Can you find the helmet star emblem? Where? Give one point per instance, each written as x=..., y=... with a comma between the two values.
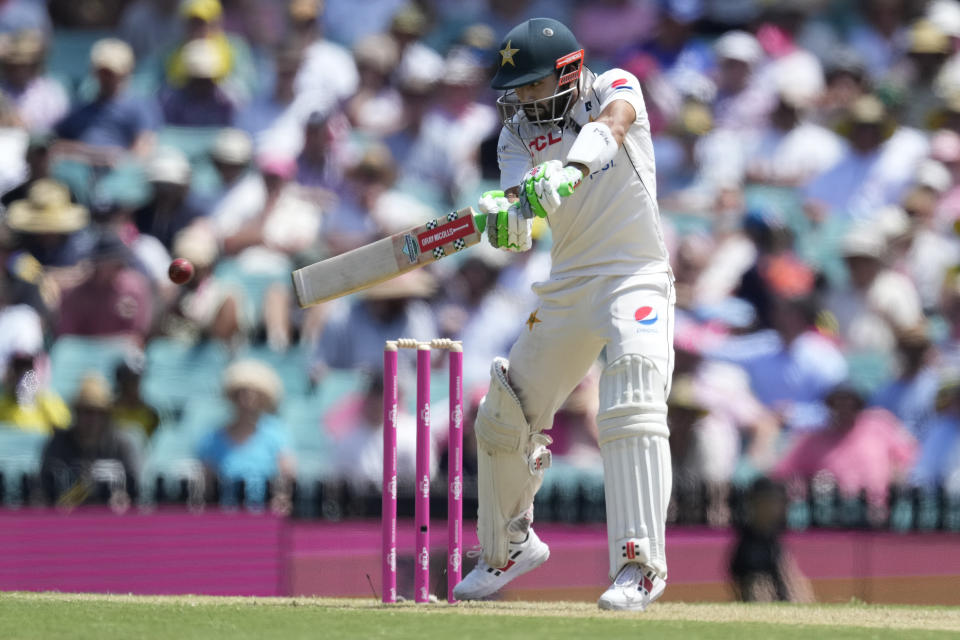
x=506, y=55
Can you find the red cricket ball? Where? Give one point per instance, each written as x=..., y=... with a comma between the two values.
x=180, y=271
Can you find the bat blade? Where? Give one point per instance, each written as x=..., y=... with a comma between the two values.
x=386, y=258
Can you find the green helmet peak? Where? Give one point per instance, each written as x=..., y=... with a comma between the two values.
x=533, y=50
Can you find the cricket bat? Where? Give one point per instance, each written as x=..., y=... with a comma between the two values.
x=387, y=258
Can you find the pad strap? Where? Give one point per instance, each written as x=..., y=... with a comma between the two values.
x=594, y=147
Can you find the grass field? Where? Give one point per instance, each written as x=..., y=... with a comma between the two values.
x=52, y=616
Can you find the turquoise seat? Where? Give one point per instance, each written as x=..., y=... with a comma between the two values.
x=195, y=143
x=254, y=285
x=69, y=57
x=73, y=356
x=20, y=454
x=177, y=371
x=290, y=365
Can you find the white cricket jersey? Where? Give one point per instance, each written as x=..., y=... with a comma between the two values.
x=611, y=223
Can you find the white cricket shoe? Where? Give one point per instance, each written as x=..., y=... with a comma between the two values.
x=485, y=580
x=634, y=589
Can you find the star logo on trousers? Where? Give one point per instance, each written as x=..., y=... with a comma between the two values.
x=532, y=320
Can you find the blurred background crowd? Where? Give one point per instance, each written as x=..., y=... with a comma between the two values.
x=808, y=156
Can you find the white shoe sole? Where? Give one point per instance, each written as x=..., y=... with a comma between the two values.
x=530, y=563
x=609, y=605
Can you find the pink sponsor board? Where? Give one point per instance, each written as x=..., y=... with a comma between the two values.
x=163, y=552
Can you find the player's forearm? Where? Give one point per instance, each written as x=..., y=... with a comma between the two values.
x=599, y=141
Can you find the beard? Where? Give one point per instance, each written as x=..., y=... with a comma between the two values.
x=540, y=110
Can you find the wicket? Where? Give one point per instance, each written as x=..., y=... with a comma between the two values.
x=422, y=499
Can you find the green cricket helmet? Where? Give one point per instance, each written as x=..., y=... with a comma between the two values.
x=531, y=51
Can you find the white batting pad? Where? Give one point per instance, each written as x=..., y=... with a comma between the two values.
x=507, y=484
x=510, y=466
x=637, y=477
x=501, y=425
x=637, y=469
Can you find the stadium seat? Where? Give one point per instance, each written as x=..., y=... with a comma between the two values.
x=69, y=57
x=195, y=143
x=20, y=454
x=290, y=365
x=73, y=356
x=177, y=371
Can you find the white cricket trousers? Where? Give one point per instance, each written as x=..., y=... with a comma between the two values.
x=574, y=320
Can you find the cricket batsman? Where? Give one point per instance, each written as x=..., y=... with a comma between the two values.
x=575, y=149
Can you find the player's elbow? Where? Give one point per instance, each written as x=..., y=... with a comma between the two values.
x=618, y=129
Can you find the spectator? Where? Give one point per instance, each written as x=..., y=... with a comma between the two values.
x=252, y=447
x=878, y=301
x=792, y=366
x=356, y=330
x=761, y=569
x=927, y=51
x=417, y=86
x=200, y=101
x=359, y=450
x=878, y=32
x=443, y=160
x=741, y=103
x=172, y=206
x=791, y=149
x=475, y=308
x=875, y=170
x=206, y=307
x=89, y=462
x=131, y=413
x=276, y=118
x=115, y=300
x=327, y=67
x=226, y=60
x=150, y=26
x=846, y=82
x=365, y=201
x=25, y=403
x=53, y=231
x=862, y=450
x=286, y=223
x=22, y=15
x=114, y=121
x=21, y=325
x=674, y=46
x=319, y=165
x=241, y=186
x=376, y=107
x=938, y=464
x=603, y=27
x=37, y=161
x=40, y=101
x=912, y=395
x=927, y=253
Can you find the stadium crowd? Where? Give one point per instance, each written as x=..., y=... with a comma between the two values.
x=808, y=163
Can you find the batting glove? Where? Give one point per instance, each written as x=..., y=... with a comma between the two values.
x=506, y=227
x=547, y=184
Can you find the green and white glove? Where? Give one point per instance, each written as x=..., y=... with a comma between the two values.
x=506, y=227
x=545, y=186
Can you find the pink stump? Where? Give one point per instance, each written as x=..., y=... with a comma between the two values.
x=455, y=473
x=422, y=503
x=388, y=507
